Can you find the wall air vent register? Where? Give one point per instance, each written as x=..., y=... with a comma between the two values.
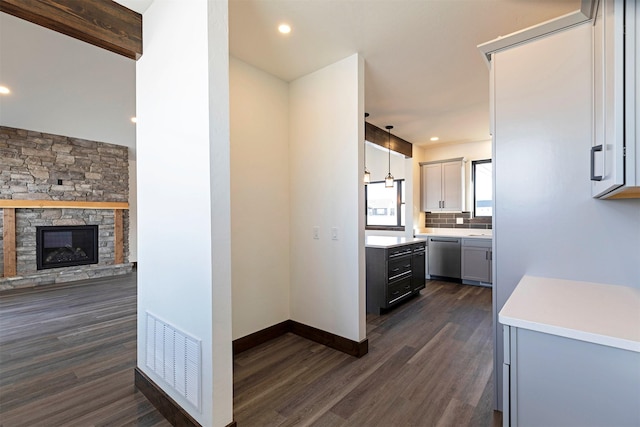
x=175, y=357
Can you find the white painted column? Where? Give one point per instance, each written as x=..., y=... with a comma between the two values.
x=325, y=160
x=183, y=192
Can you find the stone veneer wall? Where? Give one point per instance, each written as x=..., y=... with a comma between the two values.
x=41, y=166
x=448, y=220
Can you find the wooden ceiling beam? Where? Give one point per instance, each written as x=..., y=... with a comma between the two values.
x=103, y=23
x=380, y=137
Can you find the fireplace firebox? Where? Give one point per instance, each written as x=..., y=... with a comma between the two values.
x=66, y=246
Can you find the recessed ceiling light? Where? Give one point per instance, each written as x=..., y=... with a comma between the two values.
x=134, y=120
x=284, y=28
x=4, y=90
x=434, y=138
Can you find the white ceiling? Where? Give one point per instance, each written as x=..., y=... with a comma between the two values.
x=423, y=72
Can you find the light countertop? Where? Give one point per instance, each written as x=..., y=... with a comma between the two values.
x=474, y=233
x=389, y=241
x=592, y=312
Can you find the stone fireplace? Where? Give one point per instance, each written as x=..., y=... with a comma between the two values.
x=50, y=182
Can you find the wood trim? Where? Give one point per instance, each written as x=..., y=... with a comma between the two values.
x=168, y=407
x=118, y=236
x=60, y=204
x=345, y=345
x=9, y=242
x=380, y=137
x=255, y=339
x=626, y=193
x=104, y=23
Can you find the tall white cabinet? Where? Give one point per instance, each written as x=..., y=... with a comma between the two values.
x=546, y=221
x=615, y=162
x=443, y=185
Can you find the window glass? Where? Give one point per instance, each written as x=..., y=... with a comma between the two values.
x=385, y=206
x=482, y=174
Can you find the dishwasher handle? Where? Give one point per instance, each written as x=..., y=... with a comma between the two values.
x=445, y=241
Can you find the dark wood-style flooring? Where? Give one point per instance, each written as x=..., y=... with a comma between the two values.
x=429, y=364
x=67, y=355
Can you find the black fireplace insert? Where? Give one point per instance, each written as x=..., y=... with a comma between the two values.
x=66, y=246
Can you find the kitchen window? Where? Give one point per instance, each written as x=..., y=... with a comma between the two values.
x=482, y=177
x=385, y=207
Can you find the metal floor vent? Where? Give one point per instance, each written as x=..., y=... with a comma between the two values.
x=175, y=357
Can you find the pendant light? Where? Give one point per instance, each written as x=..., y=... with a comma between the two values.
x=388, y=181
x=367, y=174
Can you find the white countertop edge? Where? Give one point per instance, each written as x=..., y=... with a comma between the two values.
x=386, y=242
x=593, y=312
x=605, y=340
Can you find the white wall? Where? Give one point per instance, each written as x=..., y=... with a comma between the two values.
x=259, y=198
x=479, y=150
x=183, y=193
x=378, y=163
x=546, y=222
x=56, y=81
x=326, y=155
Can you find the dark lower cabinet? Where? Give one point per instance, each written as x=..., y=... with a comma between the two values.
x=394, y=274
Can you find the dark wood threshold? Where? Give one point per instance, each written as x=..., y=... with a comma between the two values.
x=352, y=348
x=168, y=407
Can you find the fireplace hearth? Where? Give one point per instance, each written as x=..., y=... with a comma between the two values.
x=66, y=246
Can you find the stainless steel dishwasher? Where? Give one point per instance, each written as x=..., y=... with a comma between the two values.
x=444, y=257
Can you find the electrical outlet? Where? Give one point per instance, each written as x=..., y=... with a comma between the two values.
x=334, y=233
x=316, y=232
x=459, y=220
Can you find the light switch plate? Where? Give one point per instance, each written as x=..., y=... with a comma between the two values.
x=316, y=232
x=334, y=233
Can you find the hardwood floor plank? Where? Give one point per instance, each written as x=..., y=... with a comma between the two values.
x=67, y=354
x=429, y=364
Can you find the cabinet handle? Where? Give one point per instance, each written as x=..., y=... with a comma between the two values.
x=396, y=299
x=593, y=155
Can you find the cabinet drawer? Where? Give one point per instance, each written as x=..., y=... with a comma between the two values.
x=399, y=268
x=398, y=290
x=419, y=247
x=399, y=251
x=477, y=243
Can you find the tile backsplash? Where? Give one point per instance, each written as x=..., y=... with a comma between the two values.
x=448, y=220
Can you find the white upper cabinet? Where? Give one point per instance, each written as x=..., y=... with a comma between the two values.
x=614, y=160
x=443, y=185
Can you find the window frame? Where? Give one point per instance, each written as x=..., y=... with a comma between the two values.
x=400, y=183
x=473, y=182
